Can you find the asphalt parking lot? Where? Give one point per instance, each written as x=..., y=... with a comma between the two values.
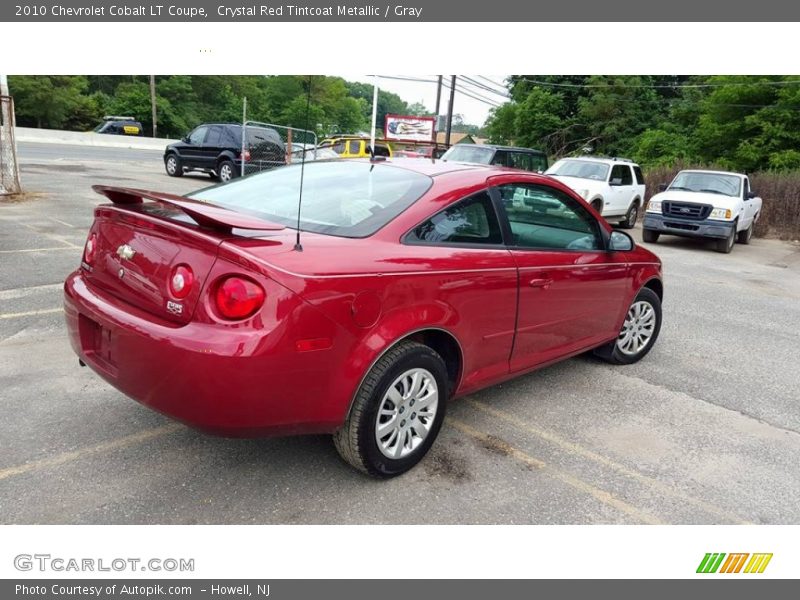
x=706, y=429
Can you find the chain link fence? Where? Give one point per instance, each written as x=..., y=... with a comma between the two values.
x=267, y=145
x=9, y=169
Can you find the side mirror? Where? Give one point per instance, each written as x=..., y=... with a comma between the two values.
x=616, y=181
x=620, y=242
x=662, y=187
x=750, y=195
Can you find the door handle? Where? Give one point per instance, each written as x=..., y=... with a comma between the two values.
x=541, y=282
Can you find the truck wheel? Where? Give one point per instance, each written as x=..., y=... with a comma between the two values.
x=226, y=171
x=726, y=245
x=173, y=166
x=650, y=236
x=397, y=413
x=631, y=216
x=744, y=237
x=639, y=331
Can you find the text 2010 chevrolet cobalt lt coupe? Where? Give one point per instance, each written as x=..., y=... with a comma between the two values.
x=414, y=281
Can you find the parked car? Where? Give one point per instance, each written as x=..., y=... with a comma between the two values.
x=311, y=153
x=613, y=186
x=526, y=159
x=115, y=125
x=355, y=147
x=705, y=204
x=216, y=149
x=413, y=282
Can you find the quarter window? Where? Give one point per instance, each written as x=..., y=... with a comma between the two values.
x=639, y=177
x=470, y=221
x=544, y=218
x=622, y=173
x=355, y=147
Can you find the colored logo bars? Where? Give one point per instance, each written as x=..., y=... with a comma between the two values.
x=713, y=563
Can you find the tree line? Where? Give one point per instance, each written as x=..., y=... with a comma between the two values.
x=79, y=103
x=748, y=123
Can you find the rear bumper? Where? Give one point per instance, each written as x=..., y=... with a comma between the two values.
x=707, y=228
x=233, y=381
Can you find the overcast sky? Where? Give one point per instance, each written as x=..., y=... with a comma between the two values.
x=475, y=110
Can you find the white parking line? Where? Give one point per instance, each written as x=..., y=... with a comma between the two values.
x=23, y=292
x=30, y=313
x=67, y=457
x=24, y=250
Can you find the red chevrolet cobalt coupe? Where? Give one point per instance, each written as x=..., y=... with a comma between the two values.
x=413, y=282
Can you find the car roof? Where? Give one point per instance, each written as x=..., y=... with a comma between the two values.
x=498, y=147
x=604, y=160
x=712, y=171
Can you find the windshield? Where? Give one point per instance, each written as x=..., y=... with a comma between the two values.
x=582, y=169
x=714, y=183
x=469, y=154
x=343, y=198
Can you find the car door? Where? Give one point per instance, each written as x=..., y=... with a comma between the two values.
x=571, y=290
x=192, y=152
x=748, y=206
x=213, y=146
x=621, y=184
x=462, y=247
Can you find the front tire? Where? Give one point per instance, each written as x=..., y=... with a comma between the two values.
x=650, y=236
x=631, y=216
x=173, y=166
x=639, y=331
x=744, y=237
x=397, y=412
x=726, y=245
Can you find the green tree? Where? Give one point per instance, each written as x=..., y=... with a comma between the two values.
x=48, y=100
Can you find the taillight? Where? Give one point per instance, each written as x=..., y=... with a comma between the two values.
x=181, y=281
x=238, y=298
x=247, y=155
x=91, y=249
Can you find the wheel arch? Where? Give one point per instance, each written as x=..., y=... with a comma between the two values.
x=442, y=341
x=656, y=285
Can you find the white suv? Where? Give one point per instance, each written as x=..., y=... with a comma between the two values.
x=613, y=186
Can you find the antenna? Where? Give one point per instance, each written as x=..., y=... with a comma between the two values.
x=297, y=245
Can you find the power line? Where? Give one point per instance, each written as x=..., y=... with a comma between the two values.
x=445, y=84
x=500, y=85
x=484, y=87
x=670, y=86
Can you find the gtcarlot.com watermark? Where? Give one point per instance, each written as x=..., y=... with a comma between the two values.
x=56, y=564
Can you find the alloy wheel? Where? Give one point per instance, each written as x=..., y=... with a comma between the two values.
x=638, y=329
x=406, y=413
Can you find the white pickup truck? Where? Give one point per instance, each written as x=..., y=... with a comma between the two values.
x=707, y=204
x=613, y=186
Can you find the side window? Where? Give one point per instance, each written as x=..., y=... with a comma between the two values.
x=198, y=135
x=355, y=147
x=639, y=177
x=214, y=136
x=544, y=218
x=232, y=137
x=381, y=150
x=621, y=175
x=339, y=148
x=520, y=160
x=470, y=221
x=745, y=187
x=500, y=158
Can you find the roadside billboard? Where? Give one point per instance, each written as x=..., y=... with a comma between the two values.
x=408, y=128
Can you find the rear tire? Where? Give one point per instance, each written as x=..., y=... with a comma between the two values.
x=629, y=222
x=650, y=236
x=639, y=331
x=173, y=166
x=726, y=245
x=227, y=171
x=389, y=407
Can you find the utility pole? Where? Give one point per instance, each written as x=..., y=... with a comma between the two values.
x=374, y=115
x=436, y=112
x=450, y=111
x=9, y=168
x=153, y=104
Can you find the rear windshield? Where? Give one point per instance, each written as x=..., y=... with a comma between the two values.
x=342, y=198
x=469, y=154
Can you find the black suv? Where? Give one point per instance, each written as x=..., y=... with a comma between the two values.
x=216, y=149
x=120, y=126
x=526, y=159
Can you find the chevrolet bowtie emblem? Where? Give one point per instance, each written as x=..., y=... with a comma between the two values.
x=125, y=252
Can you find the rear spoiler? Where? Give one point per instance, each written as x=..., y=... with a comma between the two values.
x=206, y=215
